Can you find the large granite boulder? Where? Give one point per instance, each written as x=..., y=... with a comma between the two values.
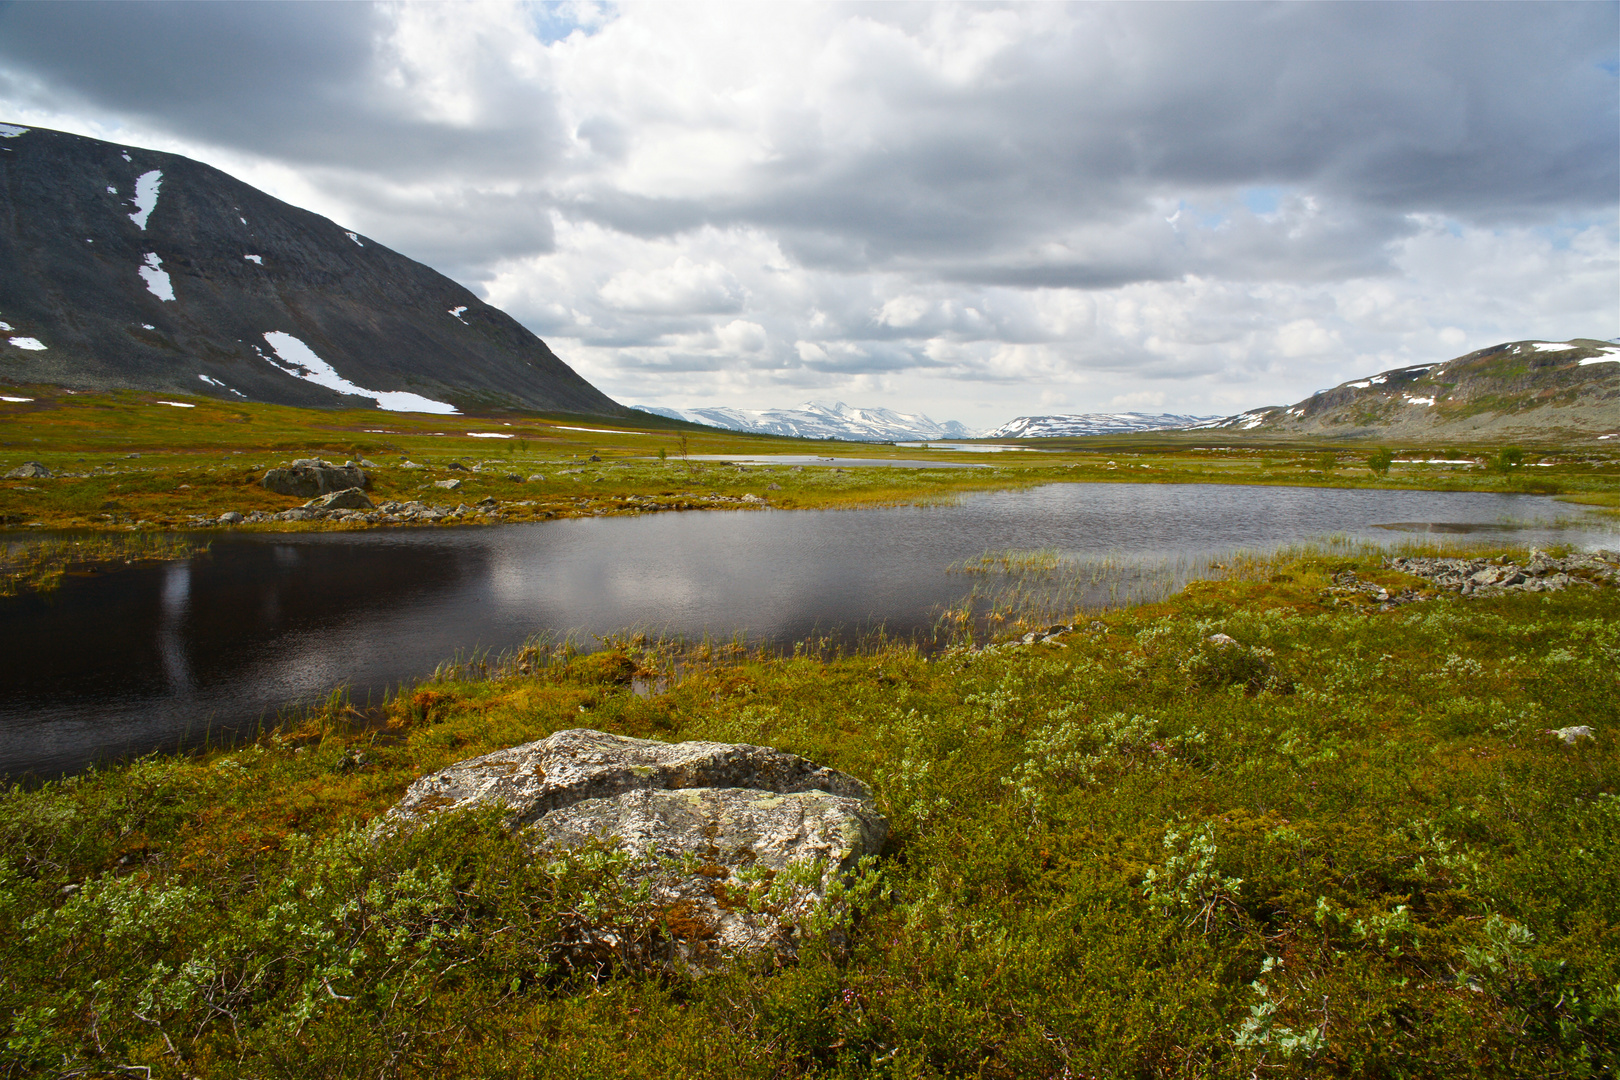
x=736, y=845
x=310, y=477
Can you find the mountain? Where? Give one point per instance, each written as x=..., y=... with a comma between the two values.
x=1518, y=389
x=129, y=268
x=1044, y=427
x=820, y=420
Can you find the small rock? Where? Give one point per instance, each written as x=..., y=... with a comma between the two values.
x=1222, y=640
x=458, y=467
x=535, y=478
x=751, y=498
x=411, y=465
x=347, y=499
x=1571, y=735
x=514, y=478
x=368, y=464
x=230, y=517
x=594, y=457
x=773, y=487
x=448, y=485
x=29, y=470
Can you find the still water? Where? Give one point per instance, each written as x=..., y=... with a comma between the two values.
x=141, y=659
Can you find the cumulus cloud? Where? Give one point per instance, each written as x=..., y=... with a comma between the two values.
x=967, y=210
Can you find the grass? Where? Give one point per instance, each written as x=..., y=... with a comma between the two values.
x=126, y=461
x=39, y=564
x=1347, y=848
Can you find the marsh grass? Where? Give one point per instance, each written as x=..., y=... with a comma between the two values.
x=1345, y=847
x=1017, y=591
x=40, y=563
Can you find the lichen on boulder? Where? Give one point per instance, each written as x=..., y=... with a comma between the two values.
x=736, y=848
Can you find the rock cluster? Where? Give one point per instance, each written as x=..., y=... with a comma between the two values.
x=1347, y=584
x=737, y=845
x=309, y=477
x=29, y=470
x=1491, y=577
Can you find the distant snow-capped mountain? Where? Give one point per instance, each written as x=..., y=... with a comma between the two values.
x=1042, y=427
x=821, y=420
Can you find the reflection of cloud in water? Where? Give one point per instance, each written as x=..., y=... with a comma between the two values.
x=176, y=602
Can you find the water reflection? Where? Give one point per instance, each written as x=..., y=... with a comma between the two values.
x=171, y=642
x=146, y=657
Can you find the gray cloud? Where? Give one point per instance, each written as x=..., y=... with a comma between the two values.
x=1110, y=198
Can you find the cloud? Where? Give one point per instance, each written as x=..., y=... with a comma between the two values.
x=682, y=288
x=968, y=209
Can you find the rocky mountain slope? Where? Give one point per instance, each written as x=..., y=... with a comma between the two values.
x=823, y=420
x=1521, y=389
x=129, y=268
x=1043, y=427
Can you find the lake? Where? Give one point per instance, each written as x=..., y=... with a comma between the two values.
x=143, y=658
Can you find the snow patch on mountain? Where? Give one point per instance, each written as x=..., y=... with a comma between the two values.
x=1070, y=425
x=157, y=278
x=146, y=193
x=301, y=362
x=822, y=420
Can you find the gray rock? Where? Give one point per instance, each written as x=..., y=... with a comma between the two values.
x=310, y=477
x=736, y=844
x=230, y=517
x=1541, y=573
x=1571, y=735
x=448, y=485
x=536, y=478
x=29, y=470
x=347, y=499
x=411, y=465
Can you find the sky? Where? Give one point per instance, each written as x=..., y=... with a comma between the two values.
x=972, y=211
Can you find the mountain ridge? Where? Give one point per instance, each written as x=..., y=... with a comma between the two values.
x=128, y=268
x=1518, y=388
x=1072, y=425
x=821, y=420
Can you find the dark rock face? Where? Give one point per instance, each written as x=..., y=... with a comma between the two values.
x=129, y=268
x=309, y=477
x=736, y=845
